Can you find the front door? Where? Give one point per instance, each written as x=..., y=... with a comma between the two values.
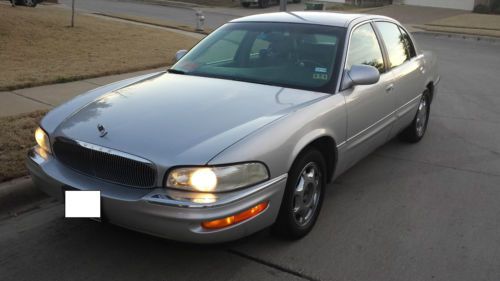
x=370, y=108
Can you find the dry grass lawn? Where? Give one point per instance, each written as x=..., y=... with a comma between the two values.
x=16, y=138
x=37, y=46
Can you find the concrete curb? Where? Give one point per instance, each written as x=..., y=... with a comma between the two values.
x=18, y=195
x=150, y=23
x=459, y=36
x=176, y=4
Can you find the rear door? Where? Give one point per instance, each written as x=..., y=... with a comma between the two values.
x=370, y=108
x=407, y=69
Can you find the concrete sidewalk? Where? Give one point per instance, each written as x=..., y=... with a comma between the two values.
x=46, y=97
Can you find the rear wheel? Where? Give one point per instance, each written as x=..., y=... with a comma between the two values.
x=303, y=196
x=30, y=3
x=416, y=130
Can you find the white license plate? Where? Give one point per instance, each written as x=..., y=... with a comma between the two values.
x=82, y=204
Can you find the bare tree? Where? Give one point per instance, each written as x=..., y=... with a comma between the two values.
x=72, y=13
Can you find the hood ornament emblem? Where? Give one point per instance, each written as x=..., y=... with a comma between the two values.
x=102, y=130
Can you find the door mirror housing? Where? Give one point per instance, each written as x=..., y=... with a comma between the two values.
x=360, y=74
x=180, y=54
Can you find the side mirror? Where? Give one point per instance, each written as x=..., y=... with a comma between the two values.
x=360, y=74
x=180, y=54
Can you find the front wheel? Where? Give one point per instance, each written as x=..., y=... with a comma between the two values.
x=245, y=4
x=416, y=130
x=30, y=3
x=303, y=196
x=263, y=3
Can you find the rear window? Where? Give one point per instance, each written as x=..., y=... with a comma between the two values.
x=395, y=43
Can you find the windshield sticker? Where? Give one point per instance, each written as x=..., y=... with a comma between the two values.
x=320, y=76
x=320, y=69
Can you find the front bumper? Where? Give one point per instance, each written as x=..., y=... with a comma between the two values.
x=170, y=214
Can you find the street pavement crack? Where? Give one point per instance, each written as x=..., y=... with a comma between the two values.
x=273, y=265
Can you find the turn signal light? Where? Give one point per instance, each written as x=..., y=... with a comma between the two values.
x=228, y=221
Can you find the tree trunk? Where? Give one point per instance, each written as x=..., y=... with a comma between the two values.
x=72, y=13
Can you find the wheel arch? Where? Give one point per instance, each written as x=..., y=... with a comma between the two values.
x=325, y=144
x=430, y=87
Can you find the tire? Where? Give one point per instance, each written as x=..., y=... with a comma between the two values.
x=30, y=3
x=416, y=130
x=303, y=196
x=296, y=1
x=263, y=3
x=245, y=4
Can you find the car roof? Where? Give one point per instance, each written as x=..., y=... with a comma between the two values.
x=310, y=17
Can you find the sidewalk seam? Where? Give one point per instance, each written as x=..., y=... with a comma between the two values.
x=32, y=99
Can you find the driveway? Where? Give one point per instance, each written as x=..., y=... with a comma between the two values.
x=428, y=211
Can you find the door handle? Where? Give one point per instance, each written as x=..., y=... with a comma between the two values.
x=389, y=88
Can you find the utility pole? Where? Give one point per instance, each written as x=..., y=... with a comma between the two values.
x=72, y=13
x=283, y=5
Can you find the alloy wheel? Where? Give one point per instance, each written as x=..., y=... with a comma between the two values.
x=306, y=194
x=421, y=121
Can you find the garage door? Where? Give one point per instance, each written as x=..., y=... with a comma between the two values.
x=452, y=4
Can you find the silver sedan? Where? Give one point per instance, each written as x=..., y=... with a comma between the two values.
x=245, y=131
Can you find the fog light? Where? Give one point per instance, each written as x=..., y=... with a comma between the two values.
x=228, y=221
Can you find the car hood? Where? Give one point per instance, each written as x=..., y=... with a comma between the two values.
x=175, y=119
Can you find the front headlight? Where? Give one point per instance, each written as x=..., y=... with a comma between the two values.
x=217, y=179
x=42, y=139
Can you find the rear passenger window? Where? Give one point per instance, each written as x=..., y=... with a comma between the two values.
x=364, y=48
x=410, y=48
x=396, y=43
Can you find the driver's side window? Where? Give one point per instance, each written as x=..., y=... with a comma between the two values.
x=365, y=49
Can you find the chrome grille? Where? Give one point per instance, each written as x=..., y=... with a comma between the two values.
x=105, y=164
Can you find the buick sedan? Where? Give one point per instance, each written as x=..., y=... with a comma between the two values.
x=245, y=131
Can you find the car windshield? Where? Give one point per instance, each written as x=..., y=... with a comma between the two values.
x=302, y=56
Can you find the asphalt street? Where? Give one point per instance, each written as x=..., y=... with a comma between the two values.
x=217, y=16
x=427, y=211
x=186, y=16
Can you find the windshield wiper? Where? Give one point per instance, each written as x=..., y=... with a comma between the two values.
x=175, y=71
